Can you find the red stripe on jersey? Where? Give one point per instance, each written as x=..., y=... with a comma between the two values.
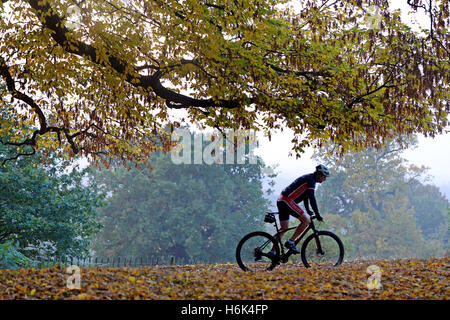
x=298, y=192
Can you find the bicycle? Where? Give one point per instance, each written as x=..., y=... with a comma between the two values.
x=252, y=251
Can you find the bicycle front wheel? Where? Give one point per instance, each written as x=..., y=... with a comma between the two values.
x=322, y=249
x=252, y=252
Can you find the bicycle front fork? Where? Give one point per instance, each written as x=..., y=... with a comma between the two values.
x=319, y=246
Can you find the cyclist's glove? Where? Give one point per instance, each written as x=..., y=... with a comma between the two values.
x=319, y=218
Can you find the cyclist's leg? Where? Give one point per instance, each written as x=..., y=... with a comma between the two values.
x=284, y=224
x=304, y=218
x=283, y=214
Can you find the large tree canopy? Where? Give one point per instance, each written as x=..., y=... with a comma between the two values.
x=100, y=77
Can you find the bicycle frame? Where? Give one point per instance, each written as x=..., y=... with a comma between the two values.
x=284, y=256
x=314, y=250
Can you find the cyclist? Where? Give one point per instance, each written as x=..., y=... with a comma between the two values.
x=302, y=189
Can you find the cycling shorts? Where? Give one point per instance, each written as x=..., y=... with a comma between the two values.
x=287, y=208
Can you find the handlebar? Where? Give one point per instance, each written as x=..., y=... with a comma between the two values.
x=314, y=217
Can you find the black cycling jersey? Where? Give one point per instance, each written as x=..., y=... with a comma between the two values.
x=302, y=189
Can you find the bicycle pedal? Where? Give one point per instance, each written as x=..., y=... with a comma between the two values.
x=290, y=252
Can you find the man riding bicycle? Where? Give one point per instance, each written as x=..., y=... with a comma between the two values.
x=302, y=189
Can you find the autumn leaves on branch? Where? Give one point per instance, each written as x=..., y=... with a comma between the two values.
x=106, y=85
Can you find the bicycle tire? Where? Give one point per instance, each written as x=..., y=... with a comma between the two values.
x=246, y=255
x=328, y=238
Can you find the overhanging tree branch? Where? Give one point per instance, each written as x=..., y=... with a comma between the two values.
x=61, y=35
x=18, y=155
x=44, y=128
x=4, y=71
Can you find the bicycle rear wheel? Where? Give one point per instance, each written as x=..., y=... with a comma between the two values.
x=252, y=252
x=331, y=253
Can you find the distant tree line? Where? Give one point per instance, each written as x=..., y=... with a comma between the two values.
x=382, y=206
x=190, y=211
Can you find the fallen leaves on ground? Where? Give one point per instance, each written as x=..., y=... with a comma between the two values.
x=398, y=279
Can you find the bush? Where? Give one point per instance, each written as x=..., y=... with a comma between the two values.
x=12, y=258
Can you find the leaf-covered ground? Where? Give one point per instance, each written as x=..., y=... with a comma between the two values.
x=399, y=279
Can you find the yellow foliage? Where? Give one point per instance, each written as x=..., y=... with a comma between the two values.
x=105, y=73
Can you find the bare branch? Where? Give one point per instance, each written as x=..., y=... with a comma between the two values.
x=19, y=155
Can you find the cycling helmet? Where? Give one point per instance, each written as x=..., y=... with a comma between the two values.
x=322, y=169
